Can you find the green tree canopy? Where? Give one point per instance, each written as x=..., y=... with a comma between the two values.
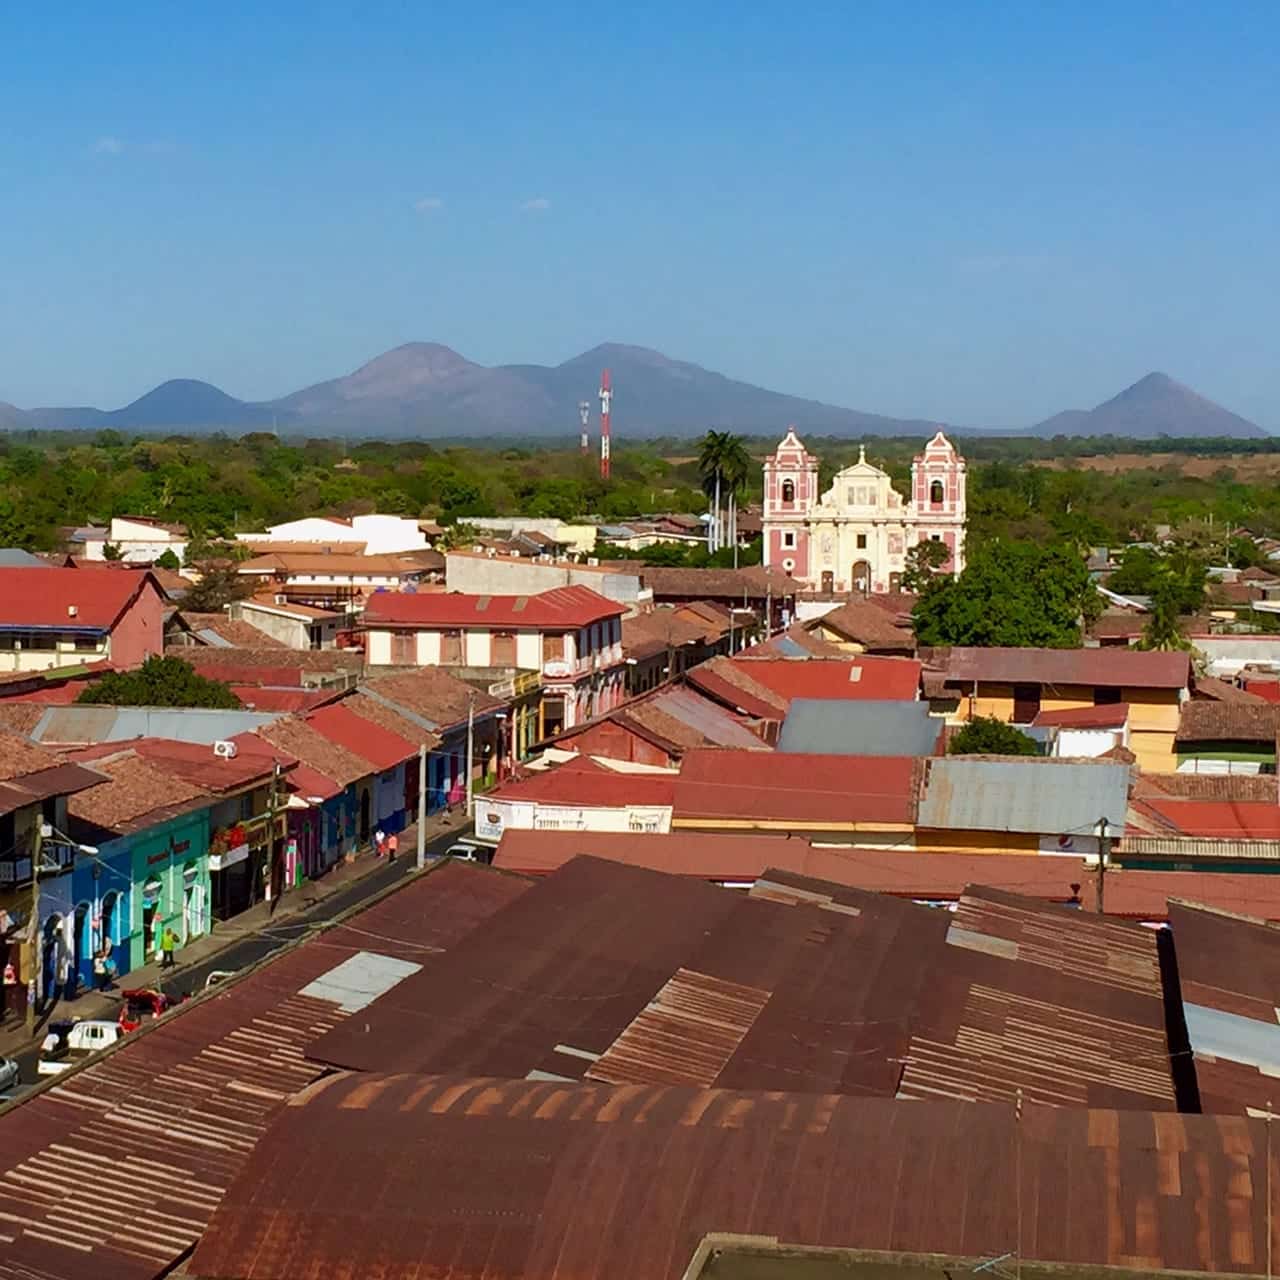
x=987, y=736
x=1010, y=593
x=167, y=559
x=160, y=682
x=923, y=562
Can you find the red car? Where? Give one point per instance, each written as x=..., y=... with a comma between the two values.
x=141, y=1004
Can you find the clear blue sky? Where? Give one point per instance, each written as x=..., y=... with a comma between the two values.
x=981, y=213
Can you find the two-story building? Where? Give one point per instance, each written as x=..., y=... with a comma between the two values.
x=34, y=786
x=69, y=617
x=571, y=634
x=133, y=540
x=1018, y=685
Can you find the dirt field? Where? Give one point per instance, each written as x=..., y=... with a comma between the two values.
x=1247, y=466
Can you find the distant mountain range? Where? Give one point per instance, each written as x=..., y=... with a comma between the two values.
x=429, y=391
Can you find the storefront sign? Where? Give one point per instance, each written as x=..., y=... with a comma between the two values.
x=179, y=847
x=158, y=857
x=221, y=861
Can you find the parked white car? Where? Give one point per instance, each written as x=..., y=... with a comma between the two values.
x=70, y=1042
x=467, y=852
x=10, y=1075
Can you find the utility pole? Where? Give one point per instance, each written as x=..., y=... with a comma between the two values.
x=1269, y=1202
x=37, y=941
x=422, y=806
x=1104, y=856
x=471, y=735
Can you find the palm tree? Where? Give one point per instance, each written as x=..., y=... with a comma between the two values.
x=723, y=464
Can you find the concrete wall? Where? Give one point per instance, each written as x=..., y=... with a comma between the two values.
x=503, y=576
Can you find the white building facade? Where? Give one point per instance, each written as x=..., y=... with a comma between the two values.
x=856, y=535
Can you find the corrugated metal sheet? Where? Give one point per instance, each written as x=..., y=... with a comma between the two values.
x=1027, y=796
x=117, y=724
x=825, y=727
x=1229, y=973
x=460, y=1179
x=115, y=1172
x=686, y=1035
x=1061, y=1005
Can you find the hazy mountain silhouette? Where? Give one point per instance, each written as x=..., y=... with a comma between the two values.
x=424, y=389
x=1154, y=406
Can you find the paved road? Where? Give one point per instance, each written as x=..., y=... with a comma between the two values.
x=190, y=979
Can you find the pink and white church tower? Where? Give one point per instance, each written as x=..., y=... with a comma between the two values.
x=856, y=535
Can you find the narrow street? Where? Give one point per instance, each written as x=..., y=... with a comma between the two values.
x=186, y=980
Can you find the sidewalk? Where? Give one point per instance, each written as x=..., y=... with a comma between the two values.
x=257, y=920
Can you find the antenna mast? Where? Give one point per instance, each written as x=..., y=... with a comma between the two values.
x=606, y=396
x=584, y=412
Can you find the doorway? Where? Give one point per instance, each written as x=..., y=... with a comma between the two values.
x=80, y=940
x=110, y=902
x=150, y=915
x=365, y=820
x=861, y=576
x=53, y=954
x=828, y=580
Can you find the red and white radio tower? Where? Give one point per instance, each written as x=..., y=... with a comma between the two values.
x=606, y=395
x=584, y=412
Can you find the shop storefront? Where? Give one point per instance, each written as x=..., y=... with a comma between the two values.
x=230, y=872
x=171, y=887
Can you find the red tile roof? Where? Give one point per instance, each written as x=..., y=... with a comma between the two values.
x=1107, y=668
x=371, y=741
x=587, y=785
x=1223, y=819
x=256, y=697
x=45, y=597
x=862, y=622
x=800, y=789
x=1104, y=717
x=565, y=608
x=307, y=782
x=863, y=678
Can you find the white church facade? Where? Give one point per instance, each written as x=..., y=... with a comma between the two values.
x=855, y=536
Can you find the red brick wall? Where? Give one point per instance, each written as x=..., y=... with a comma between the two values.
x=139, y=632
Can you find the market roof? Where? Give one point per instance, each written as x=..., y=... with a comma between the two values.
x=305, y=612
x=68, y=599
x=321, y=564
x=828, y=727
x=1103, y=668
x=1023, y=987
x=1048, y=797
x=1229, y=974
x=17, y=558
x=1206, y=721
x=585, y=977
x=538, y=1178
x=184, y=1102
x=797, y=789
x=564, y=608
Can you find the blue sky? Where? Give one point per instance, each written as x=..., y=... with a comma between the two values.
x=977, y=213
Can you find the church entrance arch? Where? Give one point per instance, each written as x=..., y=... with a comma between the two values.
x=861, y=576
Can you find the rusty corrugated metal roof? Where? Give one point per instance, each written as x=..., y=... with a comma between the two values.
x=116, y=1170
x=460, y=1179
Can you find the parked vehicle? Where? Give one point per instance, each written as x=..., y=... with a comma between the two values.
x=10, y=1075
x=467, y=852
x=141, y=1004
x=70, y=1042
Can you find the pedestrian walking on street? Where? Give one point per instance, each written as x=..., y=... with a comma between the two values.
x=168, y=940
x=101, y=976
x=393, y=846
x=379, y=842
